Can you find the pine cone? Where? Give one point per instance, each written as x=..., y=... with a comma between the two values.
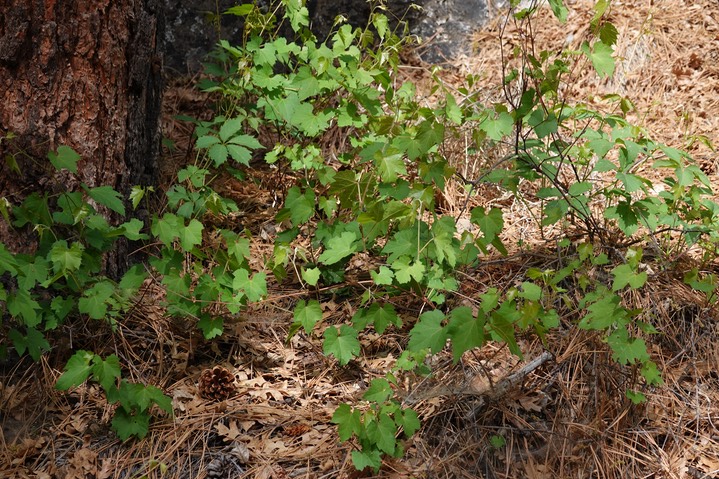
x=217, y=383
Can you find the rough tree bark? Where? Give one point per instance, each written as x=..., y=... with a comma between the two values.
x=86, y=74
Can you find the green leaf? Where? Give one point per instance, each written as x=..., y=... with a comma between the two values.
x=32, y=273
x=600, y=8
x=608, y=34
x=299, y=207
x=193, y=173
x=190, y=235
x=210, y=327
x=465, y=331
x=502, y=322
x=206, y=141
x=343, y=345
x=34, y=342
x=254, y=288
x=383, y=277
x=635, y=397
x=404, y=272
x=497, y=127
x=62, y=306
x=531, y=291
x=390, y=166
x=428, y=333
x=429, y=135
x=308, y=314
x=554, y=211
x=106, y=371
x=651, y=373
x=72, y=208
x=445, y=244
x=379, y=391
x=218, y=154
x=364, y=459
x=22, y=305
x=311, y=275
x=348, y=421
x=237, y=247
x=77, y=370
x=603, y=313
x=240, y=10
x=128, y=424
x=107, y=196
x=601, y=56
x=166, y=228
x=497, y=441
x=247, y=141
x=64, y=258
x=382, y=433
x=230, y=127
x=453, y=112
x=382, y=316
x=145, y=396
x=339, y=247
x=490, y=300
x=403, y=243
x=7, y=261
x=559, y=10
x=627, y=350
x=631, y=182
x=490, y=223
x=65, y=157
x=301, y=115
x=602, y=146
x=543, y=124
x=577, y=189
x=240, y=154
x=625, y=215
x=132, y=230
x=137, y=194
x=409, y=422
x=163, y=401
x=94, y=300
x=624, y=275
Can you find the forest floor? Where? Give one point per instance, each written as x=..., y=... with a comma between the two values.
x=566, y=418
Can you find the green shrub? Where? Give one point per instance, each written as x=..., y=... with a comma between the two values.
x=376, y=196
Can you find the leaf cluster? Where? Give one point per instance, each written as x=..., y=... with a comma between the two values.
x=378, y=196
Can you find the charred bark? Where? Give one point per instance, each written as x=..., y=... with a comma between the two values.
x=86, y=74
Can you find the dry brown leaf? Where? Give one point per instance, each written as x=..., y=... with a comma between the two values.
x=266, y=472
x=532, y=403
x=107, y=469
x=228, y=433
x=711, y=464
x=247, y=424
x=280, y=473
x=537, y=471
x=78, y=423
x=274, y=447
x=82, y=464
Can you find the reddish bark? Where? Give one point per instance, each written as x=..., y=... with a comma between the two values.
x=82, y=73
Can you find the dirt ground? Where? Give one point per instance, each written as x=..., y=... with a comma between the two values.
x=565, y=418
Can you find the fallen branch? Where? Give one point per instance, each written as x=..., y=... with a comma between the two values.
x=479, y=385
x=504, y=386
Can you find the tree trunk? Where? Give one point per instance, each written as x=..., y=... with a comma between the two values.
x=86, y=74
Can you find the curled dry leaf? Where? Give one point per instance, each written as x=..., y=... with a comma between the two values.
x=241, y=452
